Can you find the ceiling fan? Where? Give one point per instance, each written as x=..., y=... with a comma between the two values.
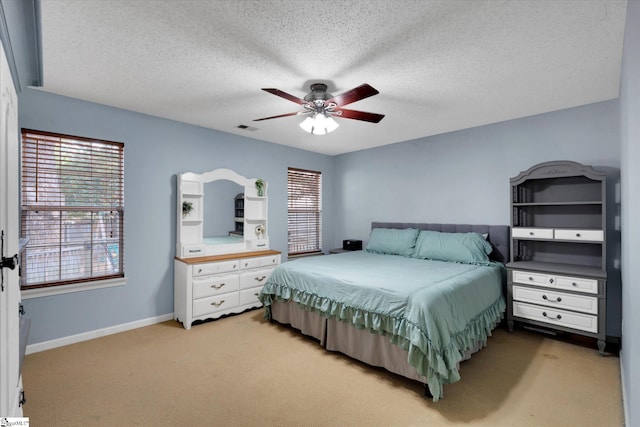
x=320, y=106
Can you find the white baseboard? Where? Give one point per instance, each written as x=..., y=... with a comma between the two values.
x=86, y=336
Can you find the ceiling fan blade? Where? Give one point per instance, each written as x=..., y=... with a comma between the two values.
x=358, y=115
x=279, y=115
x=356, y=94
x=285, y=95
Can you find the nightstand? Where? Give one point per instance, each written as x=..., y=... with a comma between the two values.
x=338, y=251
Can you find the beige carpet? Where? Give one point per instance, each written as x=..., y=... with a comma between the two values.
x=243, y=371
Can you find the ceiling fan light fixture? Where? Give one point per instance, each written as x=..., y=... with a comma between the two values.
x=331, y=124
x=319, y=124
x=319, y=107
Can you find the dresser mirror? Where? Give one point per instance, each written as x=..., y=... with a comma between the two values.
x=218, y=215
x=220, y=220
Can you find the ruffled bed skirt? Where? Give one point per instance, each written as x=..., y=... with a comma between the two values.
x=384, y=342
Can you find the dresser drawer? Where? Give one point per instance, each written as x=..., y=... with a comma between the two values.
x=259, y=244
x=581, y=303
x=532, y=233
x=583, y=322
x=250, y=296
x=215, y=267
x=580, y=235
x=254, y=278
x=212, y=304
x=206, y=286
x=262, y=261
x=580, y=284
x=531, y=278
x=577, y=284
x=193, y=250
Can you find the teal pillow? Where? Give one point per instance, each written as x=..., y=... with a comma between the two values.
x=466, y=248
x=392, y=241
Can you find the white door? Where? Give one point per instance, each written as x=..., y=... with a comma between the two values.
x=10, y=381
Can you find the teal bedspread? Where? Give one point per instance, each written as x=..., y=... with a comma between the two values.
x=435, y=310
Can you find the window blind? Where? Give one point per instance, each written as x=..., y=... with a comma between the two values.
x=304, y=211
x=72, y=209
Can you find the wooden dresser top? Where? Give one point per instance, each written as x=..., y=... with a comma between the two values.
x=224, y=257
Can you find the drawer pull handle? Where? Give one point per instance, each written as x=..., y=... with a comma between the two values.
x=530, y=278
x=218, y=286
x=194, y=251
x=199, y=270
x=256, y=294
x=260, y=279
x=574, y=284
x=577, y=234
x=217, y=303
x=531, y=233
x=544, y=313
x=550, y=280
x=558, y=299
x=246, y=264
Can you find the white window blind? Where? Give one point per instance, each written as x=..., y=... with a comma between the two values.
x=304, y=211
x=72, y=209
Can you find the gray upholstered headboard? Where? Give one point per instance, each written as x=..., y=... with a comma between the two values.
x=498, y=235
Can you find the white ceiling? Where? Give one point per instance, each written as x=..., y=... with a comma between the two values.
x=440, y=66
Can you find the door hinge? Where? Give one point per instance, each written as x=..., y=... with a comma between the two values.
x=10, y=262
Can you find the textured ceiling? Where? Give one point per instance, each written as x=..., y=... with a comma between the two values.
x=440, y=66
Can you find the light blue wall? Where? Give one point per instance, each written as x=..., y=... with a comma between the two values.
x=155, y=151
x=463, y=177
x=630, y=124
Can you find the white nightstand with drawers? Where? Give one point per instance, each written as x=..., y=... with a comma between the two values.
x=212, y=286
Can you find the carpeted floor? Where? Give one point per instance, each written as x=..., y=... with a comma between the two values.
x=243, y=371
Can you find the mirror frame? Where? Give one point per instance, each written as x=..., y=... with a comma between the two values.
x=198, y=247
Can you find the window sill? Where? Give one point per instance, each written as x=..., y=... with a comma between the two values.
x=77, y=287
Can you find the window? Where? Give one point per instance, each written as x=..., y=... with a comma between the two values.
x=304, y=211
x=72, y=209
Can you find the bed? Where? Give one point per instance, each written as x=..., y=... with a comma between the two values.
x=420, y=299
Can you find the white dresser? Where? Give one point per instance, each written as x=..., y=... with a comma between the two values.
x=212, y=286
